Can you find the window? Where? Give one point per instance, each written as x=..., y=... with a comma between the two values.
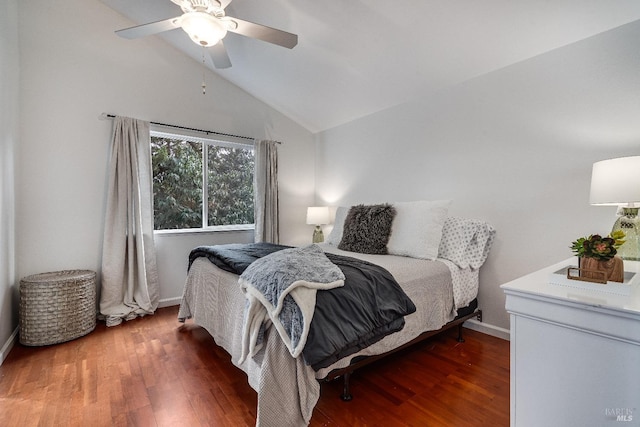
x=188, y=170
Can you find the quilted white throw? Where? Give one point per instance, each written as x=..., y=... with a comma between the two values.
x=281, y=290
x=464, y=248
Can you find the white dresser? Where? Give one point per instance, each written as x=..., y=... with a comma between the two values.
x=575, y=354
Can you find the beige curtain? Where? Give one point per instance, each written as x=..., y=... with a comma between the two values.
x=266, y=191
x=129, y=285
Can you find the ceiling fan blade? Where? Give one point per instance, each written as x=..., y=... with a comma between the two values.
x=148, y=29
x=219, y=55
x=264, y=33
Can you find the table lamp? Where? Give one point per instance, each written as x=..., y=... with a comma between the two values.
x=318, y=215
x=616, y=182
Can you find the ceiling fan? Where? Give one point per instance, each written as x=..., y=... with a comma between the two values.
x=206, y=24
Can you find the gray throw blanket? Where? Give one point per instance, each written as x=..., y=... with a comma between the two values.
x=281, y=290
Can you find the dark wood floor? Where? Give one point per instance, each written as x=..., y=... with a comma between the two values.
x=155, y=372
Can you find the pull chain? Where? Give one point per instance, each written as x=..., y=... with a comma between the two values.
x=204, y=67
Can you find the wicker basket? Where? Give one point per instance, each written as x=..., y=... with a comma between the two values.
x=57, y=307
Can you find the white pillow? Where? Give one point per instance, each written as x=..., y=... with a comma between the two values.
x=417, y=228
x=335, y=236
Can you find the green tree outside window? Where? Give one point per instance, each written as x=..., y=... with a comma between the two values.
x=178, y=182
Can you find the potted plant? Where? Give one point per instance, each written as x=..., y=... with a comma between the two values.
x=597, y=256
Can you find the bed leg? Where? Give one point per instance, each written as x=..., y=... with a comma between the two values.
x=346, y=392
x=460, y=339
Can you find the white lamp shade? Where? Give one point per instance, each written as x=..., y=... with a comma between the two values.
x=616, y=182
x=318, y=215
x=204, y=29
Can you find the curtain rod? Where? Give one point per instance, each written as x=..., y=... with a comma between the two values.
x=105, y=116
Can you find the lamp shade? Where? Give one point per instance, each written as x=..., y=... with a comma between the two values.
x=202, y=28
x=616, y=182
x=318, y=215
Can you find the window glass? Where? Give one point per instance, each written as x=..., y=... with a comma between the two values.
x=230, y=185
x=181, y=181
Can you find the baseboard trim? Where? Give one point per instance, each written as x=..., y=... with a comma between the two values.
x=6, y=348
x=168, y=302
x=489, y=329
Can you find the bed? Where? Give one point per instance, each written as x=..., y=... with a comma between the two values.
x=442, y=290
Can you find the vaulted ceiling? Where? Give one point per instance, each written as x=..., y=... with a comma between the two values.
x=358, y=57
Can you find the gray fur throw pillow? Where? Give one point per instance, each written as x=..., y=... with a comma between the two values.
x=367, y=229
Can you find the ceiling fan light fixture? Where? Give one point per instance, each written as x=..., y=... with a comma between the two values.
x=202, y=28
x=206, y=24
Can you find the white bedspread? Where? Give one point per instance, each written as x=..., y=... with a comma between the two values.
x=213, y=298
x=287, y=388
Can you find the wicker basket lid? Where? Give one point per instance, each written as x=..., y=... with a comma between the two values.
x=60, y=276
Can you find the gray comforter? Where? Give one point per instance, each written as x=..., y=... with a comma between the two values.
x=346, y=319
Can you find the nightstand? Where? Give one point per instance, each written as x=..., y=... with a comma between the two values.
x=575, y=354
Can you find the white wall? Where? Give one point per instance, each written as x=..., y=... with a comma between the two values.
x=172, y=251
x=9, y=104
x=73, y=68
x=514, y=147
